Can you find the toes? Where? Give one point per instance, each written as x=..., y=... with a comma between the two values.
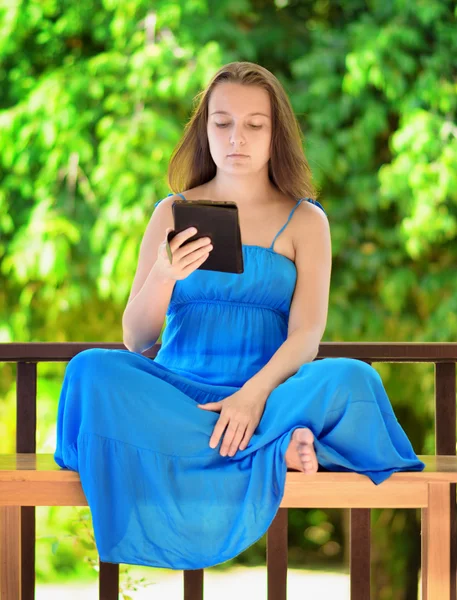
x=308, y=468
x=305, y=436
x=306, y=450
x=304, y=439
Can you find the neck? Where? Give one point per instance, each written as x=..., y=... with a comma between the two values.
x=247, y=191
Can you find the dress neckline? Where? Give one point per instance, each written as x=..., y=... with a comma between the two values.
x=271, y=252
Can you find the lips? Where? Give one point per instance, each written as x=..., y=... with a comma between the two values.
x=237, y=155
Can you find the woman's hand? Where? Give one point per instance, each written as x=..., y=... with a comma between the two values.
x=177, y=259
x=242, y=412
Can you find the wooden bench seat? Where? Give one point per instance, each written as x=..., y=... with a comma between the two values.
x=36, y=480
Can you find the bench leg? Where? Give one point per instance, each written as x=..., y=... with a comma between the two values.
x=438, y=542
x=10, y=552
x=424, y=550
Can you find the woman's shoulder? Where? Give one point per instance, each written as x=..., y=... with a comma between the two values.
x=313, y=205
x=311, y=212
x=190, y=194
x=164, y=201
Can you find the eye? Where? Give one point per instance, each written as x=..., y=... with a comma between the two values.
x=225, y=125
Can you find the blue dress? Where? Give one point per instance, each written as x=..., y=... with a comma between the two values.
x=158, y=494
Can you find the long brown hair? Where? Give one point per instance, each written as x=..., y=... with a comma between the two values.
x=191, y=163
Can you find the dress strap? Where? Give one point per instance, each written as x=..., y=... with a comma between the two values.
x=171, y=194
x=179, y=194
x=290, y=216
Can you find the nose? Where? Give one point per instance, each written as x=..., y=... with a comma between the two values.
x=237, y=136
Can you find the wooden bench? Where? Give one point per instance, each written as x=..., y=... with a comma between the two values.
x=28, y=479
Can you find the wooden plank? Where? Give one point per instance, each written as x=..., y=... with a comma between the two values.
x=424, y=552
x=303, y=493
x=359, y=564
x=108, y=581
x=26, y=423
x=360, y=551
x=62, y=487
x=27, y=546
x=438, y=547
x=26, y=420
x=42, y=467
x=193, y=584
x=277, y=556
x=42, y=493
x=10, y=553
x=445, y=443
x=355, y=494
x=445, y=408
x=433, y=352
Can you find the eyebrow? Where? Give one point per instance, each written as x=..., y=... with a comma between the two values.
x=223, y=112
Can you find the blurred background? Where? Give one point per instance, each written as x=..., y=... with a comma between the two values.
x=94, y=96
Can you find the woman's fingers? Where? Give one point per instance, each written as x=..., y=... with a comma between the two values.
x=218, y=431
x=232, y=439
x=228, y=437
x=247, y=436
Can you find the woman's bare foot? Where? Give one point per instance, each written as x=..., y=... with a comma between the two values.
x=300, y=454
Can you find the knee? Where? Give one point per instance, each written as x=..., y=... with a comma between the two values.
x=93, y=359
x=356, y=372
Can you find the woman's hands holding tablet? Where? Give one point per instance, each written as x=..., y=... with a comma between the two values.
x=175, y=261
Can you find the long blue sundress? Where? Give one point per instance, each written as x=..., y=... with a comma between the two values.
x=158, y=494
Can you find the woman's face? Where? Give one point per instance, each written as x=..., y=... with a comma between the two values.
x=232, y=128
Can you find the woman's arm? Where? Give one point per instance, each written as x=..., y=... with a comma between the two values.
x=299, y=348
x=150, y=296
x=309, y=307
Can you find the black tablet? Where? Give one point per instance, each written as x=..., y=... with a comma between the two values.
x=217, y=220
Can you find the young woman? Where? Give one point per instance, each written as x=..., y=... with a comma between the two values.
x=183, y=458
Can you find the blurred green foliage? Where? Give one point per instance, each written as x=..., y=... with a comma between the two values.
x=94, y=98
